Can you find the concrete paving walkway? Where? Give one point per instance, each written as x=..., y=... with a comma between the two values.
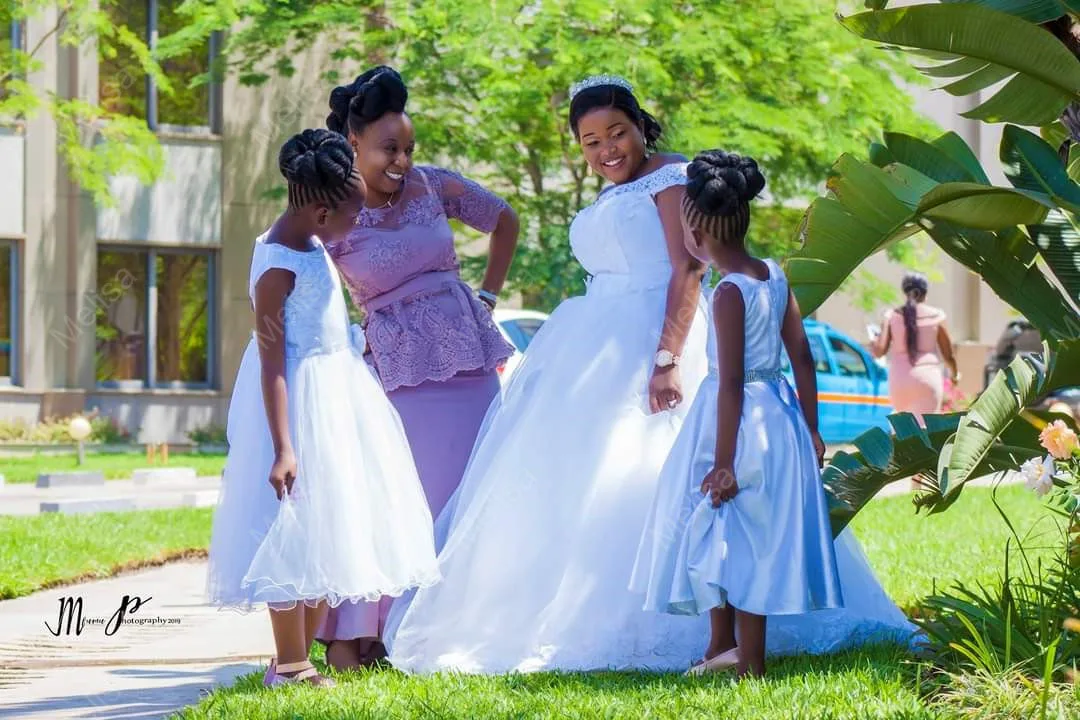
x=26, y=498
x=142, y=671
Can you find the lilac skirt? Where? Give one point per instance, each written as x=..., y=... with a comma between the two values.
x=441, y=420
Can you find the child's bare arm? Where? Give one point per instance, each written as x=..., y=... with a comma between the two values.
x=802, y=366
x=728, y=312
x=270, y=292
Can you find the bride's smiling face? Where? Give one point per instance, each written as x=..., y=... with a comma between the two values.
x=613, y=145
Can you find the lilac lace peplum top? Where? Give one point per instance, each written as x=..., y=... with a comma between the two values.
x=423, y=322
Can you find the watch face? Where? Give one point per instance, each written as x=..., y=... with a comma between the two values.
x=664, y=358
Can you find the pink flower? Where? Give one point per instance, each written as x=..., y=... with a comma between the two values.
x=1059, y=440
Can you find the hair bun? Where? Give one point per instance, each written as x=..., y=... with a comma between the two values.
x=316, y=158
x=719, y=182
x=376, y=92
x=914, y=282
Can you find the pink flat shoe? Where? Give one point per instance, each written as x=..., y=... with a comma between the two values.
x=300, y=672
x=724, y=662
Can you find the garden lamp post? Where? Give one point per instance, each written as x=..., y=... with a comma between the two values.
x=79, y=429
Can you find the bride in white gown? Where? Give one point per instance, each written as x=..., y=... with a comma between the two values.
x=542, y=534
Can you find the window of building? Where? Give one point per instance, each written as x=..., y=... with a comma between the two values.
x=124, y=88
x=155, y=318
x=9, y=283
x=10, y=37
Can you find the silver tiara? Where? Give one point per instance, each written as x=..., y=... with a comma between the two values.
x=600, y=81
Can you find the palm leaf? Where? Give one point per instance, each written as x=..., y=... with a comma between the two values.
x=868, y=208
x=881, y=458
x=1058, y=240
x=994, y=46
x=1007, y=262
x=984, y=207
x=931, y=159
x=1033, y=164
x=994, y=434
x=1012, y=389
x=958, y=149
x=1034, y=11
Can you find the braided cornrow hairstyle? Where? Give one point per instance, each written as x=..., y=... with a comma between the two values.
x=719, y=188
x=318, y=165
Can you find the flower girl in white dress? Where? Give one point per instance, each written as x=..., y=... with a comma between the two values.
x=740, y=527
x=343, y=516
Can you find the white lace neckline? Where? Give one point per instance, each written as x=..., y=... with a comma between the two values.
x=661, y=178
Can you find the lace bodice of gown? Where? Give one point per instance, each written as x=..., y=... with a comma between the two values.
x=399, y=264
x=316, y=320
x=617, y=233
x=766, y=303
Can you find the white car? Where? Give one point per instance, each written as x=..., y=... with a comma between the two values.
x=518, y=327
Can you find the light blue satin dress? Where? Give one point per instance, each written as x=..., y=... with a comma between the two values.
x=770, y=549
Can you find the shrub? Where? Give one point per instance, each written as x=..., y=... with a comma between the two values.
x=54, y=431
x=211, y=434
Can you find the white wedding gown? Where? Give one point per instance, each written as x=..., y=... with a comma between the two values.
x=541, y=536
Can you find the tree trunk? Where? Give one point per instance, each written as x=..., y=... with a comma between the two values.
x=376, y=19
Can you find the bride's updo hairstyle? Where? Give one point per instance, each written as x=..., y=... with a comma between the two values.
x=719, y=188
x=614, y=95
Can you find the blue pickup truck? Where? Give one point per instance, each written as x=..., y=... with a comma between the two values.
x=853, y=390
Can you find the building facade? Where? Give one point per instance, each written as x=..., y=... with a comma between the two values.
x=140, y=310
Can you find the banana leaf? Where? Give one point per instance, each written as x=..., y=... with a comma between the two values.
x=867, y=208
x=1012, y=389
x=870, y=208
x=881, y=458
x=984, y=207
x=1042, y=76
x=1034, y=11
x=1031, y=163
x=958, y=149
x=1058, y=240
x=994, y=430
x=934, y=160
x=1007, y=262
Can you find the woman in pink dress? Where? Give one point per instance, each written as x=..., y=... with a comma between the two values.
x=919, y=348
x=431, y=339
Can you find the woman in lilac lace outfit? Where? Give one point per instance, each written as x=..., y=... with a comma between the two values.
x=431, y=339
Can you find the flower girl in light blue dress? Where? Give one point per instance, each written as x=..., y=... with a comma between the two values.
x=740, y=525
x=343, y=516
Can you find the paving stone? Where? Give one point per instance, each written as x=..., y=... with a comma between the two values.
x=88, y=505
x=75, y=478
x=160, y=475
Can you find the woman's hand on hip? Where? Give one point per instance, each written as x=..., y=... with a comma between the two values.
x=665, y=389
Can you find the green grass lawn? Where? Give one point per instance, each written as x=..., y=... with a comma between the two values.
x=966, y=543
x=910, y=553
x=38, y=551
x=25, y=469
x=872, y=683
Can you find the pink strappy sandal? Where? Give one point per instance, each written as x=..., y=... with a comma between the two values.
x=298, y=672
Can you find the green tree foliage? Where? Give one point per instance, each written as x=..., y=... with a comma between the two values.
x=94, y=141
x=488, y=86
